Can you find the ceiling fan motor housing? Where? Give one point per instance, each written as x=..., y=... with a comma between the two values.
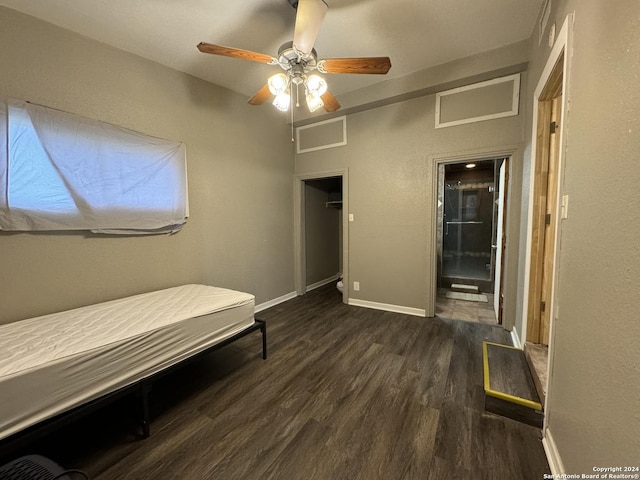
x=289, y=55
x=292, y=60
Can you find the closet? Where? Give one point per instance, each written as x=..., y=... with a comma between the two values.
x=323, y=230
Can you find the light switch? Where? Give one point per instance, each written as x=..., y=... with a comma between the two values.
x=351, y=217
x=564, y=207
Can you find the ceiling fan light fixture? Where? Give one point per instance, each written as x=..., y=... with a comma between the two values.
x=298, y=58
x=278, y=83
x=316, y=85
x=282, y=101
x=314, y=102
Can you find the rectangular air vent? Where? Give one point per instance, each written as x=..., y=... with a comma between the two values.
x=318, y=136
x=544, y=20
x=494, y=98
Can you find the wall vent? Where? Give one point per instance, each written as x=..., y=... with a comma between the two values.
x=496, y=98
x=318, y=136
x=544, y=19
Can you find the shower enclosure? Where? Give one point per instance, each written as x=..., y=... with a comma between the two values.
x=466, y=224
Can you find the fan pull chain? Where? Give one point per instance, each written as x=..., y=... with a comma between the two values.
x=292, y=138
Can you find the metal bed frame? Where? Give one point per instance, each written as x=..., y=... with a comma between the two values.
x=141, y=387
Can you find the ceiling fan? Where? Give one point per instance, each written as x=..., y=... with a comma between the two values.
x=299, y=59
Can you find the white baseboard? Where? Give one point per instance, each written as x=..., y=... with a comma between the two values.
x=322, y=283
x=275, y=301
x=553, y=456
x=516, y=339
x=418, y=312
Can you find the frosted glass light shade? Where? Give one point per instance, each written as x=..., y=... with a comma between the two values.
x=282, y=101
x=316, y=85
x=278, y=83
x=314, y=102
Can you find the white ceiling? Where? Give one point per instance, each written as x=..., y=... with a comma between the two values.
x=415, y=34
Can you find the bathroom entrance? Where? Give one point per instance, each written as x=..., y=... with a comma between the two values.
x=470, y=237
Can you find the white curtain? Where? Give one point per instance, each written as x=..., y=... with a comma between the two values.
x=60, y=171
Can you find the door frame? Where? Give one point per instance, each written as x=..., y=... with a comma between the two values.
x=508, y=153
x=563, y=45
x=561, y=49
x=300, y=263
x=501, y=243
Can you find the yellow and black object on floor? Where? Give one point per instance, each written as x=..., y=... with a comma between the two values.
x=508, y=385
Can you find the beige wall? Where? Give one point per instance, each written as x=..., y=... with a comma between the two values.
x=389, y=156
x=593, y=407
x=240, y=164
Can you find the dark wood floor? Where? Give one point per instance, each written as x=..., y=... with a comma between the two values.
x=347, y=393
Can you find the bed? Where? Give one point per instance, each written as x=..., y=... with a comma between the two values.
x=59, y=363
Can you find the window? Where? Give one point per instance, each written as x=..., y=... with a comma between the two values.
x=59, y=171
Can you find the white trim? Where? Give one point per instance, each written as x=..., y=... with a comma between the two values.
x=553, y=456
x=342, y=119
x=515, y=101
x=275, y=301
x=418, y=312
x=322, y=283
x=515, y=339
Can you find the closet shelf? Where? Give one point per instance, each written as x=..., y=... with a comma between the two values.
x=334, y=204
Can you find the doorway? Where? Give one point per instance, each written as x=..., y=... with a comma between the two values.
x=544, y=227
x=320, y=229
x=545, y=208
x=470, y=238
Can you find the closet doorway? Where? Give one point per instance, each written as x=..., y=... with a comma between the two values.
x=320, y=229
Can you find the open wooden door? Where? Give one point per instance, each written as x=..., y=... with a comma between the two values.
x=545, y=209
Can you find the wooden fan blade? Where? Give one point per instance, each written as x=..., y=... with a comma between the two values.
x=262, y=96
x=235, y=53
x=330, y=102
x=372, y=65
x=308, y=20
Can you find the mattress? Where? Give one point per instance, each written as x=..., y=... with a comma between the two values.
x=53, y=363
